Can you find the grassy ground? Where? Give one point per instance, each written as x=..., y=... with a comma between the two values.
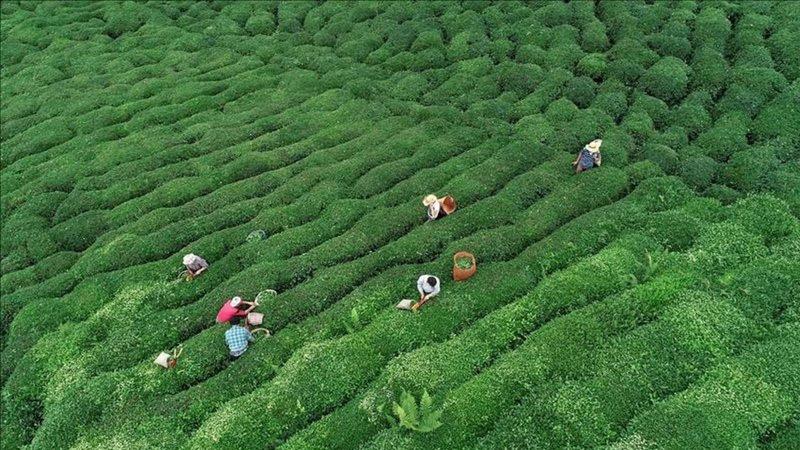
x=651, y=303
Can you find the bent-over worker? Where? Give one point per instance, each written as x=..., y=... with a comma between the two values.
x=439, y=207
x=589, y=156
x=428, y=287
x=235, y=307
x=195, y=265
x=238, y=338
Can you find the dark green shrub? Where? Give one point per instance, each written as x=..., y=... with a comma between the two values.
x=554, y=14
x=754, y=55
x=733, y=405
x=531, y=54
x=624, y=70
x=592, y=65
x=785, y=49
x=563, y=56
x=593, y=37
x=615, y=104
x=692, y=117
x=467, y=45
x=261, y=23
x=560, y=111
x=749, y=170
x=124, y=18
x=427, y=39
x=710, y=70
x=663, y=156
x=726, y=195
x=670, y=45
x=764, y=214
x=667, y=79
x=727, y=137
x=562, y=35
x=431, y=58
x=724, y=245
x=521, y=79
x=642, y=170
x=580, y=91
x=639, y=126
x=780, y=118
x=656, y=109
x=674, y=137
x=751, y=88
x=711, y=28
x=699, y=171
x=634, y=51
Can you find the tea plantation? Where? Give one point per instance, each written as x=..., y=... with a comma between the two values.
x=650, y=303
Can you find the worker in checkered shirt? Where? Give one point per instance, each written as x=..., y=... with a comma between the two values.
x=238, y=338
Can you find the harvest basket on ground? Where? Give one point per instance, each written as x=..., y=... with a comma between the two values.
x=464, y=266
x=449, y=204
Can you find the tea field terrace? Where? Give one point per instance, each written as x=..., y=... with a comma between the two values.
x=609, y=309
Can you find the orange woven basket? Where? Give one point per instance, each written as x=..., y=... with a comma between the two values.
x=449, y=204
x=460, y=274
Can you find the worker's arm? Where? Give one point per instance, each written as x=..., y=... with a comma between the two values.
x=250, y=337
x=199, y=271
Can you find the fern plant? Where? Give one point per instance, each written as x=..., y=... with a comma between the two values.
x=422, y=418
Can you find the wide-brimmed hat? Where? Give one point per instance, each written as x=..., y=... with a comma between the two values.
x=236, y=301
x=429, y=200
x=594, y=146
x=188, y=259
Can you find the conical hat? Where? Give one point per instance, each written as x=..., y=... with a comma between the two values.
x=188, y=259
x=594, y=146
x=429, y=200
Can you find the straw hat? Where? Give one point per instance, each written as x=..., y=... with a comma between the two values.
x=236, y=301
x=429, y=200
x=594, y=146
x=188, y=259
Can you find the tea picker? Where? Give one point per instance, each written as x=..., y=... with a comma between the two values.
x=428, y=287
x=235, y=307
x=195, y=265
x=237, y=338
x=589, y=156
x=439, y=207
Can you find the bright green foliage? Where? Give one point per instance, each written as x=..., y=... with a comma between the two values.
x=423, y=418
x=667, y=79
x=647, y=303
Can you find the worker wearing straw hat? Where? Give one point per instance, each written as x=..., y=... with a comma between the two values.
x=438, y=207
x=195, y=265
x=589, y=156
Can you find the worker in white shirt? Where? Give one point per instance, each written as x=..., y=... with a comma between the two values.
x=428, y=287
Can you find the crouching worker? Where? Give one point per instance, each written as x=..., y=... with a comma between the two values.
x=238, y=338
x=235, y=307
x=195, y=265
x=428, y=287
x=589, y=156
x=439, y=207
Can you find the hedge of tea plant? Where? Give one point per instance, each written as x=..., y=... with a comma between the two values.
x=610, y=309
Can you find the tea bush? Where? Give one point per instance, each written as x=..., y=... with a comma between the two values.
x=607, y=308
